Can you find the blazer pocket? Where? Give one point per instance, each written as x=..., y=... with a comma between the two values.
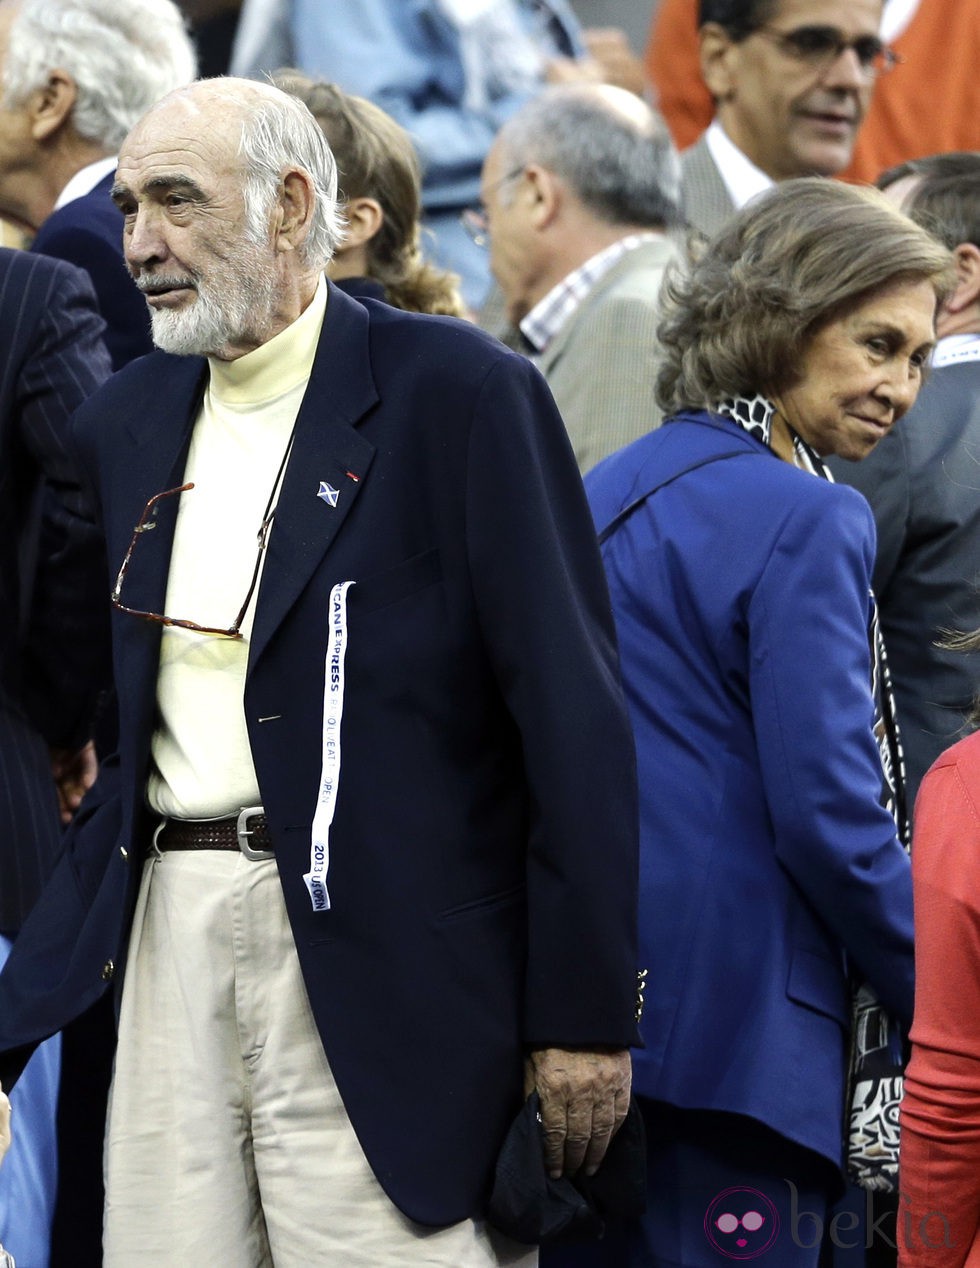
x=399, y=582
x=818, y=983
x=483, y=906
x=94, y=849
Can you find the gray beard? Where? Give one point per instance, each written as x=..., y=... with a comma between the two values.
x=212, y=325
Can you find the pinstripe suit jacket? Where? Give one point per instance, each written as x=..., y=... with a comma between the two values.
x=705, y=200
x=51, y=358
x=602, y=364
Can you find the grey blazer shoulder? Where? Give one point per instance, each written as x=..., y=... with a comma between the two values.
x=705, y=199
x=602, y=365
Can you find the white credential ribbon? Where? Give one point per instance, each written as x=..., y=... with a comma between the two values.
x=333, y=712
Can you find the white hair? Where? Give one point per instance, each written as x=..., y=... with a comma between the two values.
x=614, y=151
x=280, y=132
x=124, y=55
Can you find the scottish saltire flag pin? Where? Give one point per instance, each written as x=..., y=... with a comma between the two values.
x=328, y=493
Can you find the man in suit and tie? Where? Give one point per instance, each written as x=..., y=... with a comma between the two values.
x=365, y=859
x=923, y=484
x=75, y=76
x=579, y=190
x=53, y=648
x=791, y=81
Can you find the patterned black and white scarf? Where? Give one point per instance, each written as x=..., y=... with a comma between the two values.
x=876, y=1065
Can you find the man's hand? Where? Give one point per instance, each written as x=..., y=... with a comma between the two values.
x=74, y=774
x=609, y=47
x=584, y=1097
x=572, y=70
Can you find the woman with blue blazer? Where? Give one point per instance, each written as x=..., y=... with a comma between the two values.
x=772, y=873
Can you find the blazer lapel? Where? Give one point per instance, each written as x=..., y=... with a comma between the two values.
x=327, y=468
x=707, y=203
x=160, y=428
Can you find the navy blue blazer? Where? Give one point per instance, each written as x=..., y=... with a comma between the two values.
x=741, y=597
x=51, y=575
x=483, y=853
x=88, y=232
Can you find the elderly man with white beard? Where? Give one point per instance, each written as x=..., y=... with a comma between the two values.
x=345, y=873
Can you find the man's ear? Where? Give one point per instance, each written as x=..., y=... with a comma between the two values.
x=364, y=219
x=50, y=107
x=545, y=191
x=294, y=212
x=966, y=258
x=719, y=55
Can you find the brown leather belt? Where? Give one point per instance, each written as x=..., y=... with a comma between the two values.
x=247, y=832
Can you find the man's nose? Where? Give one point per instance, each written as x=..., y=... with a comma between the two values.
x=846, y=72
x=143, y=241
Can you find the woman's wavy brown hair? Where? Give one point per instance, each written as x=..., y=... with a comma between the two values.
x=740, y=319
x=957, y=641
x=377, y=160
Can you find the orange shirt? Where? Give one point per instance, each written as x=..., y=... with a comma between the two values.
x=929, y=104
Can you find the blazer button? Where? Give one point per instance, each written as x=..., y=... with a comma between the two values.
x=124, y=852
x=107, y=971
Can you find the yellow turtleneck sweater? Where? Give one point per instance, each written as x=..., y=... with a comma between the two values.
x=202, y=762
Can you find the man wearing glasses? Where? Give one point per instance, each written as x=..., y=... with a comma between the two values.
x=366, y=857
x=918, y=111
x=791, y=82
x=580, y=265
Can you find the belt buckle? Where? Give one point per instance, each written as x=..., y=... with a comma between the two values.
x=244, y=832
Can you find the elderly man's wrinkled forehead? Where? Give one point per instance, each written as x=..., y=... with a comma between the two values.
x=190, y=140
x=185, y=112
x=210, y=111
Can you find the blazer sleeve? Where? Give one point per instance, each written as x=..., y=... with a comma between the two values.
x=810, y=680
x=544, y=610
x=66, y=649
x=63, y=364
x=940, y=1152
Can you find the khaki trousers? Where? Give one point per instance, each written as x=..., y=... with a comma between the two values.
x=227, y=1141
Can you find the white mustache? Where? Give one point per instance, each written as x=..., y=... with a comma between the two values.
x=157, y=283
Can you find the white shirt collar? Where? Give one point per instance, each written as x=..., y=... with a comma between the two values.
x=84, y=181
x=742, y=178
x=546, y=319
